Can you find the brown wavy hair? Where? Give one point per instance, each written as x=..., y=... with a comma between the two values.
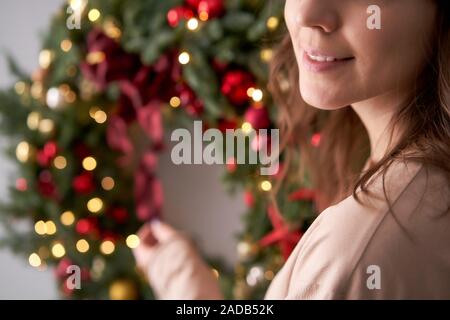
x=334, y=167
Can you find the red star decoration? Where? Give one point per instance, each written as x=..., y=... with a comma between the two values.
x=282, y=234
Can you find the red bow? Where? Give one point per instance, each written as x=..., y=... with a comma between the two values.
x=281, y=234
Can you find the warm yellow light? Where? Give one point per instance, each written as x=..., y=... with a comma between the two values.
x=46, y=125
x=216, y=273
x=67, y=218
x=40, y=227
x=45, y=58
x=266, y=55
x=33, y=120
x=60, y=162
x=203, y=15
x=269, y=274
x=257, y=95
x=66, y=45
x=58, y=250
x=107, y=247
x=111, y=29
x=89, y=163
x=192, y=24
x=70, y=97
x=37, y=90
x=266, y=186
x=95, y=205
x=272, y=23
x=82, y=245
x=175, y=102
x=92, y=111
x=20, y=87
x=51, y=227
x=95, y=57
x=100, y=116
x=132, y=241
x=246, y=127
x=250, y=91
x=93, y=15
x=23, y=151
x=34, y=260
x=184, y=58
x=107, y=183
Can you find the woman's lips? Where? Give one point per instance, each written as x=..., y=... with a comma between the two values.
x=317, y=62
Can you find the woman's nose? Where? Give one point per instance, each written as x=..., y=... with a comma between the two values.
x=318, y=14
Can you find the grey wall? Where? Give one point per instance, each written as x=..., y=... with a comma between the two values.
x=195, y=200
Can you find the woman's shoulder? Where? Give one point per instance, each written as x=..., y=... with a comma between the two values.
x=351, y=233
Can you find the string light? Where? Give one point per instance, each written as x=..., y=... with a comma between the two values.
x=192, y=24
x=216, y=273
x=250, y=91
x=50, y=227
x=67, y=218
x=111, y=29
x=184, y=58
x=257, y=95
x=45, y=58
x=266, y=55
x=266, y=185
x=34, y=260
x=203, y=15
x=175, y=102
x=107, y=183
x=66, y=45
x=95, y=57
x=98, y=115
x=40, y=227
x=246, y=127
x=107, y=247
x=272, y=23
x=60, y=162
x=58, y=250
x=95, y=205
x=19, y=87
x=132, y=241
x=33, y=120
x=93, y=15
x=269, y=275
x=89, y=163
x=46, y=126
x=23, y=151
x=82, y=245
x=36, y=90
x=54, y=98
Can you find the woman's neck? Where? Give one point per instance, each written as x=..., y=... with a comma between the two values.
x=376, y=114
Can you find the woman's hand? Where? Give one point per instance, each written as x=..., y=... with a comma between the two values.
x=174, y=268
x=152, y=235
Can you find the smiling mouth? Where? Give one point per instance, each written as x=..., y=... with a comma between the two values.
x=316, y=62
x=322, y=58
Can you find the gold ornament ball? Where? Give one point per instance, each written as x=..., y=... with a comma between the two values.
x=123, y=289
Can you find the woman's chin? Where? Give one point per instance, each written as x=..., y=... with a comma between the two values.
x=319, y=100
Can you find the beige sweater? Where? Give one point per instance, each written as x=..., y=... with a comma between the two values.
x=351, y=251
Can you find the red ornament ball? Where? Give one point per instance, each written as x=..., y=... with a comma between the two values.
x=84, y=183
x=257, y=117
x=175, y=15
x=235, y=85
x=87, y=226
